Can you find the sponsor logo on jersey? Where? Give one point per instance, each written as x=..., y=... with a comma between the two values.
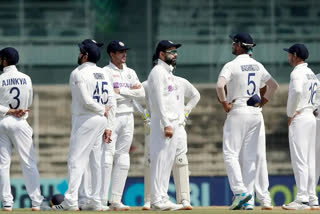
x=121, y=85
x=116, y=75
x=98, y=76
x=170, y=88
x=14, y=81
x=129, y=76
x=249, y=67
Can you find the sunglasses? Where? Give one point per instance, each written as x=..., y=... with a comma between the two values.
x=172, y=52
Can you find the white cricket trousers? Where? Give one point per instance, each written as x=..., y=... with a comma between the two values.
x=181, y=149
x=261, y=182
x=17, y=132
x=241, y=132
x=85, y=148
x=162, y=155
x=317, y=150
x=302, y=133
x=116, y=159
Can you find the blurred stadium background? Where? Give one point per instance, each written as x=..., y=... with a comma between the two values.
x=46, y=34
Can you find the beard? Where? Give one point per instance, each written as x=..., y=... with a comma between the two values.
x=79, y=60
x=169, y=61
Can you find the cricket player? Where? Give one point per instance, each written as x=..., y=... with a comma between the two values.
x=302, y=101
x=91, y=92
x=316, y=113
x=180, y=168
x=16, y=98
x=116, y=159
x=243, y=77
x=166, y=129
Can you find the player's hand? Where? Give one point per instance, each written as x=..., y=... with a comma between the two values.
x=315, y=113
x=226, y=106
x=107, y=108
x=136, y=86
x=291, y=118
x=18, y=112
x=168, y=131
x=263, y=102
x=116, y=90
x=107, y=136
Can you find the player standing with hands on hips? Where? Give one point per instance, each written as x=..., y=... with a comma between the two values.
x=90, y=88
x=16, y=98
x=303, y=99
x=116, y=159
x=243, y=77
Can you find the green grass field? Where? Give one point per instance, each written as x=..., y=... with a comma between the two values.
x=196, y=210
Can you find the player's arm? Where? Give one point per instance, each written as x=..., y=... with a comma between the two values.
x=135, y=92
x=144, y=112
x=86, y=98
x=270, y=89
x=157, y=86
x=294, y=98
x=193, y=95
x=222, y=94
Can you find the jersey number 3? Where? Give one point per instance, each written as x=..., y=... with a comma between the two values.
x=15, y=91
x=96, y=93
x=251, y=82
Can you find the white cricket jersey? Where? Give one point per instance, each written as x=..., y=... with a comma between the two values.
x=318, y=94
x=302, y=89
x=124, y=79
x=91, y=90
x=186, y=91
x=244, y=76
x=163, y=91
x=16, y=90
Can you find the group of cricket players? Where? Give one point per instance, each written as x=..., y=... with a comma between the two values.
x=103, y=103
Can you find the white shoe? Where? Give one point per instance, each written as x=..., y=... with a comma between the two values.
x=146, y=206
x=63, y=206
x=42, y=207
x=186, y=205
x=296, y=205
x=105, y=208
x=119, y=207
x=266, y=206
x=314, y=205
x=173, y=206
x=90, y=206
x=239, y=200
x=7, y=208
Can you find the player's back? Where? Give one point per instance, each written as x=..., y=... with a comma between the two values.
x=307, y=84
x=96, y=83
x=16, y=89
x=244, y=77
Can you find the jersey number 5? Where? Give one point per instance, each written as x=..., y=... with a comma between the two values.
x=251, y=82
x=96, y=93
x=17, y=92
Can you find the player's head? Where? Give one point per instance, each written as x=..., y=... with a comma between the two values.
x=242, y=43
x=297, y=53
x=89, y=51
x=117, y=51
x=8, y=56
x=56, y=199
x=167, y=52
